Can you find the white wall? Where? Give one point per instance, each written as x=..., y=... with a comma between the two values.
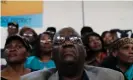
x=104, y=15
x=101, y=15
x=63, y=13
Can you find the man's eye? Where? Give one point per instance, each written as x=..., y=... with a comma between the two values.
x=24, y=34
x=30, y=34
x=72, y=38
x=60, y=39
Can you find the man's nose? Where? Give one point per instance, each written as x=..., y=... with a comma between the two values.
x=13, y=48
x=68, y=44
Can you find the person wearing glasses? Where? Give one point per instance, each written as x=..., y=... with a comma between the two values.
x=69, y=56
x=13, y=28
x=31, y=36
x=43, y=57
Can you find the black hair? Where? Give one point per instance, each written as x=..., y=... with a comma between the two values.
x=104, y=33
x=85, y=29
x=86, y=37
x=20, y=38
x=51, y=29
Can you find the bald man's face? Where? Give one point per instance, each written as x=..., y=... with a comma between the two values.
x=68, y=48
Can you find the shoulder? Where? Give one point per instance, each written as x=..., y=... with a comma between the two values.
x=104, y=73
x=38, y=75
x=51, y=61
x=33, y=75
x=30, y=59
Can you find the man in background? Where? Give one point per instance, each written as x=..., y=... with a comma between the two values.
x=13, y=28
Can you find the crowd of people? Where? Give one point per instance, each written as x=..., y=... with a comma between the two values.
x=67, y=55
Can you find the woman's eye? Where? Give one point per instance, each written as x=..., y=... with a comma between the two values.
x=20, y=46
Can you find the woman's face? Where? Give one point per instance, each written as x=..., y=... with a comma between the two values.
x=125, y=53
x=108, y=38
x=95, y=43
x=15, y=52
x=29, y=35
x=45, y=43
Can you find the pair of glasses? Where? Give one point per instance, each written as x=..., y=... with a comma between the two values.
x=27, y=34
x=45, y=41
x=72, y=39
x=13, y=27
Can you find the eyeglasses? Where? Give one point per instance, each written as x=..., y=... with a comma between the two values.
x=72, y=39
x=45, y=41
x=27, y=34
x=13, y=27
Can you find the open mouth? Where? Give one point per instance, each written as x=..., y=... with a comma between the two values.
x=68, y=53
x=12, y=55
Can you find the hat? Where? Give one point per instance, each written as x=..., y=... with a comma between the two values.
x=86, y=29
x=86, y=36
x=13, y=24
x=22, y=39
x=120, y=42
x=51, y=29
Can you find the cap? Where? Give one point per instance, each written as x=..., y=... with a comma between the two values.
x=51, y=29
x=14, y=24
x=22, y=39
x=85, y=29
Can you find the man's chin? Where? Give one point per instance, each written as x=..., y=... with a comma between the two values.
x=69, y=62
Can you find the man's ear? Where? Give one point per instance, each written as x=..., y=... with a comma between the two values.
x=115, y=53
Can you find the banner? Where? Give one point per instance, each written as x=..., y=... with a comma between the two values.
x=25, y=13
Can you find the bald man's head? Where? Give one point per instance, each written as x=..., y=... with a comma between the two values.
x=68, y=31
